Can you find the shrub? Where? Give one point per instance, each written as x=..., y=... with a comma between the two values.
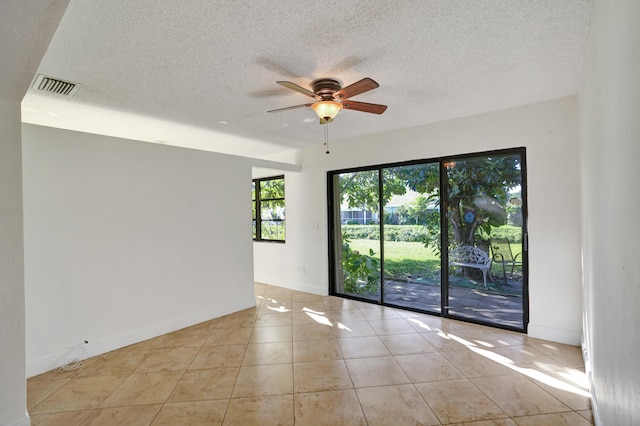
x=420, y=233
x=408, y=233
x=513, y=234
x=360, y=271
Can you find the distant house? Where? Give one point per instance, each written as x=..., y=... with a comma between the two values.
x=355, y=216
x=358, y=216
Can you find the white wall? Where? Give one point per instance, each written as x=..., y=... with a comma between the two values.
x=26, y=27
x=301, y=262
x=12, y=333
x=610, y=136
x=548, y=131
x=127, y=240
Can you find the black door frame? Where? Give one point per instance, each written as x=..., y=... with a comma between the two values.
x=444, y=281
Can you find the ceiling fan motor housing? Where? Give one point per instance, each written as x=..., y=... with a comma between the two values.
x=325, y=88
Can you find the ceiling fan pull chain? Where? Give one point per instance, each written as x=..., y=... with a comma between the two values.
x=326, y=136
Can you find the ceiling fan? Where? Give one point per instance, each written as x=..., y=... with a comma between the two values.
x=331, y=97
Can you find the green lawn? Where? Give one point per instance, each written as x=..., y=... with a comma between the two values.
x=403, y=259
x=410, y=259
x=396, y=250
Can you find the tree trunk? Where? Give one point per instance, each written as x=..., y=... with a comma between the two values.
x=464, y=234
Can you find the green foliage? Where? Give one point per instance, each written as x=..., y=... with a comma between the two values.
x=422, y=178
x=413, y=233
x=417, y=212
x=391, y=232
x=476, y=187
x=426, y=270
x=514, y=214
x=273, y=230
x=362, y=232
x=360, y=271
x=273, y=188
x=404, y=260
x=271, y=205
x=361, y=189
x=513, y=234
x=432, y=236
x=419, y=209
x=423, y=234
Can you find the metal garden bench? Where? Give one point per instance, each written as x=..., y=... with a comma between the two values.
x=471, y=257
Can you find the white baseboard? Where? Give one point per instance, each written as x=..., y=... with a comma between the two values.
x=111, y=343
x=595, y=413
x=586, y=356
x=559, y=335
x=299, y=287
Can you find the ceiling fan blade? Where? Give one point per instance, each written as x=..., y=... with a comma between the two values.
x=297, y=88
x=364, y=107
x=356, y=88
x=291, y=107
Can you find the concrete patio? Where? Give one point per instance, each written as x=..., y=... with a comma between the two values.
x=503, y=308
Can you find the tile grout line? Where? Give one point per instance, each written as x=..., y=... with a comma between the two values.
x=336, y=338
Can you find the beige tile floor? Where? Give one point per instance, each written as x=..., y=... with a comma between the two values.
x=303, y=359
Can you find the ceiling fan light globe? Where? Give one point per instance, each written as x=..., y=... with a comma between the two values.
x=326, y=110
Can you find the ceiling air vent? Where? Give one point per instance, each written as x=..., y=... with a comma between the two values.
x=54, y=85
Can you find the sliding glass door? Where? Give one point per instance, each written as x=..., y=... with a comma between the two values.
x=356, y=235
x=386, y=223
x=485, y=233
x=411, y=236
x=444, y=236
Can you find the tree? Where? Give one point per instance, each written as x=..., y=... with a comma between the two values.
x=477, y=191
x=418, y=209
x=477, y=195
x=360, y=189
x=272, y=188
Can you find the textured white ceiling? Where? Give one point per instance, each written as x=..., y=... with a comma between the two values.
x=169, y=72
